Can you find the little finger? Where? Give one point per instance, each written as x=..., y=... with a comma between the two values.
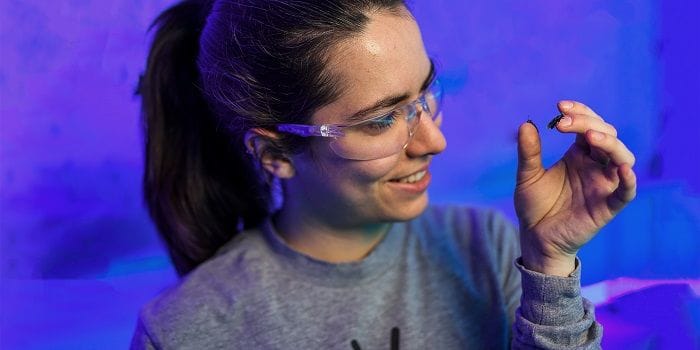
x=626, y=190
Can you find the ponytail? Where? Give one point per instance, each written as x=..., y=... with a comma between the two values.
x=199, y=185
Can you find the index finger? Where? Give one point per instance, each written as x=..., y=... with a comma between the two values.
x=575, y=107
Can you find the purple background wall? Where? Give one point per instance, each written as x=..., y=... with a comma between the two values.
x=75, y=239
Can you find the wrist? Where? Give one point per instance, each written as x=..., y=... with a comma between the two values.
x=562, y=267
x=548, y=263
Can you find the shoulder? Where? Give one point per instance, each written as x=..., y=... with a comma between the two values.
x=211, y=291
x=464, y=223
x=467, y=236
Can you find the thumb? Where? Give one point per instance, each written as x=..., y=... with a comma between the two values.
x=529, y=152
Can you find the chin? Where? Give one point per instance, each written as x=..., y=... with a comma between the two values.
x=409, y=210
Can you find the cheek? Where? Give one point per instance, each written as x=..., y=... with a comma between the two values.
x=357, y=184
x=352, y=172
x=368, y=173
x=361, y=184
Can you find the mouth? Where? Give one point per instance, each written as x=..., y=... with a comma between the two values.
x=413, y=178
x=413, y=184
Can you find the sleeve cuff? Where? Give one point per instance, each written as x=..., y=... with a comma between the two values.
x=551, y=300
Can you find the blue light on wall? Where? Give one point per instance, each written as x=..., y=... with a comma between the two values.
x=79, y=254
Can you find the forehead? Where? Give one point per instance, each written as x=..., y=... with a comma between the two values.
x=387, y=58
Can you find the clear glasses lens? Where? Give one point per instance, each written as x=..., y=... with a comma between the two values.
x=388, y=134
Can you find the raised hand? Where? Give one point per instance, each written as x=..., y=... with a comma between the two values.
x=561, y=208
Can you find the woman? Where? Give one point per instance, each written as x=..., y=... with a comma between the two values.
x=288, y=153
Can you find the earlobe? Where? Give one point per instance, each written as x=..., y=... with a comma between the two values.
x=258, y=143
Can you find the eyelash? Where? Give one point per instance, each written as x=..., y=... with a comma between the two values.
x=384, y=122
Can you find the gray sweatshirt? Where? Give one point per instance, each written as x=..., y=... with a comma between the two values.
x=449, y=279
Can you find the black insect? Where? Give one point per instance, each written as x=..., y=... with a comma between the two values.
x=555, y=121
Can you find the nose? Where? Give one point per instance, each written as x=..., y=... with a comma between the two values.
x=428, y=138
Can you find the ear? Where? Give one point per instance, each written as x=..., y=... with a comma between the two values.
x=259, y=143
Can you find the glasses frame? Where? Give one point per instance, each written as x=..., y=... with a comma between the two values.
x=335, y=131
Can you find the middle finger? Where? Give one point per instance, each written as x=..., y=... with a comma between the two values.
x=580, y=123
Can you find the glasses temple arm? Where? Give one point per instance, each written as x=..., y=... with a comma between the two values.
x=304, y=130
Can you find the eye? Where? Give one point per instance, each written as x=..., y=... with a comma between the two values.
x=383, y=122
x=380, y=124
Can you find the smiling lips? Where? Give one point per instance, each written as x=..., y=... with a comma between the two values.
x=415, y=183
x=413, y=178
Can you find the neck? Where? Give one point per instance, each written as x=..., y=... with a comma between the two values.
x=322, y=240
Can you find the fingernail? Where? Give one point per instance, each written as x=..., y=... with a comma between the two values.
x=596, y=135
x=533, y=124
x=566, y=104
x=565, y=121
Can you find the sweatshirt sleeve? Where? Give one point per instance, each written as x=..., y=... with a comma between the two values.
x=552, y=313
x=140, y=339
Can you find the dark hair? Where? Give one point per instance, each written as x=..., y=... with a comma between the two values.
x=216, y=69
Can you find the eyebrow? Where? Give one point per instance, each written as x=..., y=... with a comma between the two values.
x=390, y=100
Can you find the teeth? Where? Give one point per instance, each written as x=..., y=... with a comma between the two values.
x=413, y=178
